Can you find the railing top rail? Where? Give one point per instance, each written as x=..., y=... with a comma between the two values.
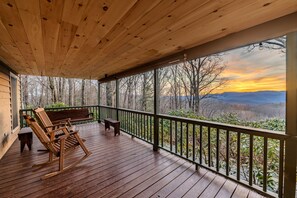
x=130, y=110
x=136, y=111
x=48, y=108
x=108, y=107
x=242, y=129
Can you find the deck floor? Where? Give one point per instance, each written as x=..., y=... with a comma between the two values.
x=118, y=167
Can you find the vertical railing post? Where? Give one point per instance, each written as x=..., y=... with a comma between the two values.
x=291, y=117
x=117, y=97
x=99, y=101
x=156, y=109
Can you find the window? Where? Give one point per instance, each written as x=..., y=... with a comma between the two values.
x=14, y=100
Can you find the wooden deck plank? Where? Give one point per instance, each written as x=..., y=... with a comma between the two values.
x=164, y=181
x=113, y=177
x=253, y=194
x=240, y=192
x=188, y=184
x=227, y=190
x=166, y=190
x=199, y=187
x=118, y=167
x=141, y=187
x=213, y=188
x=129, y=185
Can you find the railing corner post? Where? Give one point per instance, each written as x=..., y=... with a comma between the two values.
x=156, y=110
x=99, y=101
x=291, y=116
x=117, y=98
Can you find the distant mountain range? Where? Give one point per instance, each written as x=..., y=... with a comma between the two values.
x=249, y=98
x=254, y=98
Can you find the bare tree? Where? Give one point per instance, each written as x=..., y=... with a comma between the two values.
x=83, y=102
x=71, y=92
x=273, y=44
x=53, y=89
x=201, y=77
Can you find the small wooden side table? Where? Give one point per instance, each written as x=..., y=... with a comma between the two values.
x=114, y=123
x=25, y=136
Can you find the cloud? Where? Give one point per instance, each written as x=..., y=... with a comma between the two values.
x=257, y=70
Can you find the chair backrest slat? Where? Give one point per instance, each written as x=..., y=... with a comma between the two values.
x=43, y=117
x=41, y=134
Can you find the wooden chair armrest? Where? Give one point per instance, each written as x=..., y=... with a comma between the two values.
x=56, y=125
x=62, y=120
x=63, y=129
x=63, y=136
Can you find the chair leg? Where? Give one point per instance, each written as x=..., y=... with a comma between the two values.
x=62, y=156
x=87, y=152
x=64, y=169
x=50, y=160
x=61, y=161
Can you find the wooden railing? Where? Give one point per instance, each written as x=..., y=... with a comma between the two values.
x=92, y=109
x=249, y=156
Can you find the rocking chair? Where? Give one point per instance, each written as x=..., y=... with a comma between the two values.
x=48, y=125
x=57, y=146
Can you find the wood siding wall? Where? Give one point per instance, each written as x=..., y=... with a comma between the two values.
x=7, y=134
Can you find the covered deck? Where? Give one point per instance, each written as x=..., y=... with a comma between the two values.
x=120, y=166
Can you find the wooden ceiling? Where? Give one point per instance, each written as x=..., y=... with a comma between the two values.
x=92, y=38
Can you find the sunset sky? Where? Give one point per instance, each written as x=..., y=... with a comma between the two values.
x=259, y=70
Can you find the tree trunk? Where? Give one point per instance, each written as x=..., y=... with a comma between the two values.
x=70, y=93
x=144, y=93
x=40, y=103
x=53, y=89
x=130, y=93
x=25, y=91
x=108, y=94
x=83, y=102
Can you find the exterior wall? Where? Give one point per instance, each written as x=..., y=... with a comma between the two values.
x=7, y=134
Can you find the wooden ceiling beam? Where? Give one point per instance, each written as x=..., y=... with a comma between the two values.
x=265, y=31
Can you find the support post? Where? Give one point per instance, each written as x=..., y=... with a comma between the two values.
x=156, y=109
x=99, y=101
x=117, y=97
x=291, y=117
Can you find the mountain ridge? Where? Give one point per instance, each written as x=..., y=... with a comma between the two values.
x=258, y=97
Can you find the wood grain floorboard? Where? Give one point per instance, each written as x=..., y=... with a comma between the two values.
x=119, y=166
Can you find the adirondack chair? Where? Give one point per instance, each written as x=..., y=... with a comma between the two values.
x=58, y=146
x=48, y=125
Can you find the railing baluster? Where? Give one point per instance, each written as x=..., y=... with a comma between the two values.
x=187, y=140
x=170, y=131
x=194, y=140
x=181, y=138
x=265, y=165
x=143, y=126
x=238, y=156
x=227, y=152
x=162, y=132
x=150, y=128
x=200, y=145
x=130, y=123
x=140, y=125
x=136, y=127
x=218, y=150
x=251, y=160
x=208, y=146
x=175, y=136
x=281, y=169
